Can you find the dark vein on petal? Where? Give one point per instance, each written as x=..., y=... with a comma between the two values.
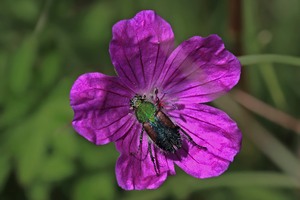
x=201, y=110
x=170, y=48
x=142, y=64
x=201, y=95
x=122, y=86
x=175, y=56
x=156, y=60
x=168, y=53
x=126, y=134
x=190, y=156
x=122, y=139
x=101, y=89
x=197, y=119
x=158, y=35
x=200, y=84
x=205, y=122
x=115, y=132
x=113, y=122
x=91, y=106
x=187, y=152
x=124, y=53
x=127, y=77
x=183, y=61
x=174, y=83
x=130, y=67
x=140, y=56
x=205, y=141
x=188, y=130
x=229, y=135
x=113, y=107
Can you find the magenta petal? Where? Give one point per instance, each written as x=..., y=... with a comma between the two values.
x=139, y=49
x=211, y=128
x=198, y=162
x=101, y=107
x=200, y=70
x=135, y=169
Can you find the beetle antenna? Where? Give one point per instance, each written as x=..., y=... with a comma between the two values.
x=156, y=96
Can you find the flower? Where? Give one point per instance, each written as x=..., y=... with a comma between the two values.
x=173, y=82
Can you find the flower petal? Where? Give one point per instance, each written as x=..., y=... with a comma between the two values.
x=198, y=162
x=134, y=169
x=211, y=128
x=139, y=49
x=101, y=107
x=200, y=70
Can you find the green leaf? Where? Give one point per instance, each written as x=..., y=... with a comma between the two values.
x=50, y=68
x=93, y=31
x=21, y=68
x=261, y=137
x=30, y=152
x=95, y=157
x=269, y=58
x=38, y=191
x=271, y=78
x=31, y=140
x=16, y=108
x=63, y=142
x=94, y=187
x=56, y=168
x=183, y=185
x=260, y=194
x=25, y=10
x=4, y=169
x=3, y=67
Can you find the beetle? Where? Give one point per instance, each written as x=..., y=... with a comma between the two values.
x=158, y=126
x=161, y=130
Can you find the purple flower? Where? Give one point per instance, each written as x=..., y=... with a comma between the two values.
x=174, y=84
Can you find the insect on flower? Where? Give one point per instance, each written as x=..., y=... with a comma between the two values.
x=154, y=110
x=160, y=129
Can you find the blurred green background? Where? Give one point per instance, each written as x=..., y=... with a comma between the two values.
x=46, y=44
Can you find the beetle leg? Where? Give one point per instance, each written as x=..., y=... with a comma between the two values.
x=153, y=159
x=141, y=139
x=155, y=97
x=134, y=154
x=188, y=137
x=158, y=100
